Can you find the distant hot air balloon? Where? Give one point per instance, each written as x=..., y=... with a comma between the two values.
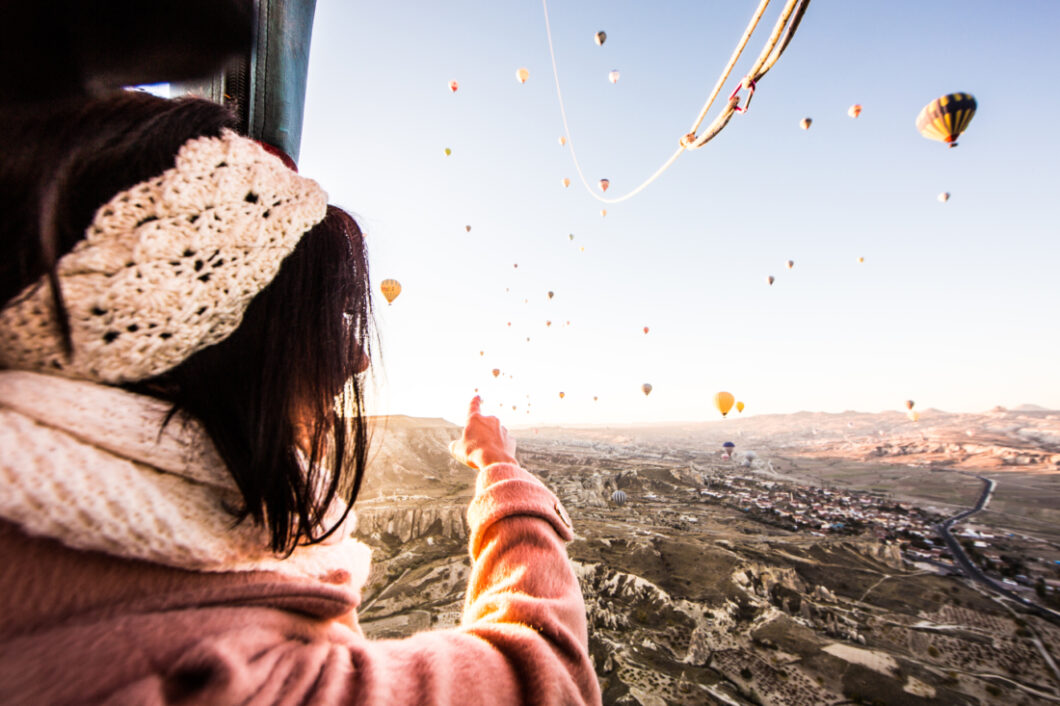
x=390, y=288
x=909, y=404
x=453, y=85
x=595, y=398
x=603, y=212
x=646, y=388
x=562, y=395
x=854, y=110
x=944, y=196
x=551, y=294
x=613, y=76
x=570, y=236
x=913, y=415
x=619, y=498
x=562, y=140
x=581, y=249
x=723, y=401
x=516, y=265
x=448, y=151
x=945, y=118
x=509, y=324
x=496, y=372
x=600, y=38
x=739, y=407
x=861, y=259
x=805, y=123
x=646, y=329
x=728, y=446
x=467, y=228
x=604, y=184
x=482, y=352
x=791, y=263
x=565, y=182
x=548, y=323
x=771, y=279
x=522, y=74
x=725, y=457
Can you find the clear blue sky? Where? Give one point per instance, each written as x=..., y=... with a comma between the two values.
x=955, y=306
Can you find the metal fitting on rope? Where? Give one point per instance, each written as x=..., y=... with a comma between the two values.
x=688, y=139
x=748, y=84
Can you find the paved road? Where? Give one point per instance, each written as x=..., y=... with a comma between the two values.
x=971, y=570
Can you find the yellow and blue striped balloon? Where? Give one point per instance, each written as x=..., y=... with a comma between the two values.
x=944, y=119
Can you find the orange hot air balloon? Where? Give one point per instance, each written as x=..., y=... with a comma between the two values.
x=548, y=323
x=739, y=407
x=805, y=123
x=603, y=212
x=791, y=263
x=482, y=352
x=562, y=141
x=565, y=182
x=770, y=280
x=562, y=395
x=595, y=398
x=551, y=294
x=467, y=228
x=861, y=259
x=855, y=110
x=453, y=85
x=391, y=288
x=448, y=151
x=723, y=401
x=646, y=329
x=496, y=372
x=605, y=184
x=522, y=74
x=646, y=388
x=509, y=324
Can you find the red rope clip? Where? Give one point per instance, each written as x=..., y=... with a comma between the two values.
x=750, y=92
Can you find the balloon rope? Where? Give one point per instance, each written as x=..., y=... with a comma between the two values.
x=772, y=50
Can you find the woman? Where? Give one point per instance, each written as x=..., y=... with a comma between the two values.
x=183, y=322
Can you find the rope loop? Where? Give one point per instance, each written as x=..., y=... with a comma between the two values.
x=748, y=84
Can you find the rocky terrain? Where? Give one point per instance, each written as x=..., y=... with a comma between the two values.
x=700, y=590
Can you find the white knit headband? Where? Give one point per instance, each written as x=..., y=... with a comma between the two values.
x=167, y=267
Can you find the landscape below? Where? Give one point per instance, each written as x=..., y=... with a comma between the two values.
x=806, y=568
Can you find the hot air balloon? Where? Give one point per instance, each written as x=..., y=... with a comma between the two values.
x=522, y=74
x=944, y=196
x=739, y=407
x=482, y=352
x=600, y=38
x=551, y=294
x=562, y=140
x=728, y=446
x=913, y=415
x=790, y=263
x=646, y=329
x=548, y=324
x=945, y=118
x=581, y=249
x=453, y=85
x=770, y=279
x=562, y=395
x=467, y=228
x=723, y=401
x=516, y=265
x=646, y=388
x=619, y=498
x=854, y=110
x=805, y=123
x=613, y=76
x=595, y=398
x=861, y=259
x=565, y=182
x=391, y=288
x=570, y=236
x=496, y=372
x=725, y=457
x=909, y=404
x=448, y=151
x=603, y=213
x=604, y=184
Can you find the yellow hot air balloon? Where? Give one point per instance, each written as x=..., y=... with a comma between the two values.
x=723, y=401
x=646, y=388
x=448, y=151
x=805, y=123
x=855, y=110
x=522, y=74
x=861, y=259
x=603, y=212
x=453, y=85
x=496, y=372
x=945, y=118
x=562, y=140
x=566, y=182
x=562, y=395
x=604, y=184
x=613, y=76
x=913, y=415
x=391, y=288
x=739, y=407
x=600, y=38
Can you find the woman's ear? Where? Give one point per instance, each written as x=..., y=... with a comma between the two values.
x=64, y=48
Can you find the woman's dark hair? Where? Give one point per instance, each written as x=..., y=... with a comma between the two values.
x=280, y=397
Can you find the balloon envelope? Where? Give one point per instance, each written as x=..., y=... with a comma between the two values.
x=613, y=76
x=909, y=404
x=390, y=288
x=619, y=497
x=739, y=406
x=562, y=141
x=522, y=74
x=496, y=372
x=854, y=111
x=604, y=184
x=600, y=38
x=467, y=228
x=771, y=279
x=646, y=329
x=945, y=118
x=944, y=196
x=565, y=182
x=448, y=151
x=453, y=85
x=723, y=401
x=805, y=123
x=551, y=294
x=790, y=263
x=562, y=395
x=646, y=388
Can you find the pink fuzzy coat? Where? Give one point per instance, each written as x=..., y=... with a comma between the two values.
x=87, y=627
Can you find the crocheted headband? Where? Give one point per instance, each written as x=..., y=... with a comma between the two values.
x=167, y=267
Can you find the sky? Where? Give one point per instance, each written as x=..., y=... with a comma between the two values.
x=955, y=304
